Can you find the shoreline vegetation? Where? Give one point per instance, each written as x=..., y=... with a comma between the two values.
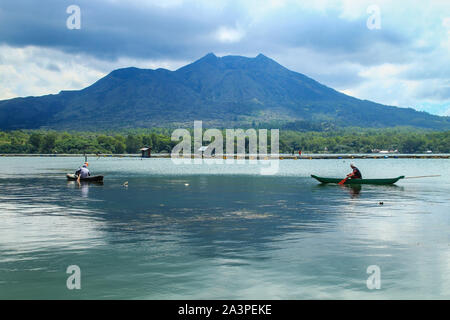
x=247, y=157
x=405, y=141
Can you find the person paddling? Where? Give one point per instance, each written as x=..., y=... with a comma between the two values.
x=83, y=172
x=356, y=174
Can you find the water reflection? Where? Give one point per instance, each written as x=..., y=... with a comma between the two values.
x=184, y=235
x=354, y=190
x=83, y=186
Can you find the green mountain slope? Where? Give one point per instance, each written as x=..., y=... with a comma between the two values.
x=227, y=91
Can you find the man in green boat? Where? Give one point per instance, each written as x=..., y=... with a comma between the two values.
x=356, y=174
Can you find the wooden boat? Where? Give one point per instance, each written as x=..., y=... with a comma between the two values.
x=73, y=177
x=359, y=181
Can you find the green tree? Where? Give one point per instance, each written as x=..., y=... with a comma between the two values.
x=35, y=140
x=147, y=140
x=48, y=142
x=132, y=143
x=119, y=147
x=412, y=145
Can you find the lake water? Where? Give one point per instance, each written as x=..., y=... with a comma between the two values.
x=213, y=231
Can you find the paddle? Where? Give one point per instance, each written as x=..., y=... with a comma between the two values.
x=343, y=181
x=436, y=175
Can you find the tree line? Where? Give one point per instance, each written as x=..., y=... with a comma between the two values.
x=54, y=142
x=350, y=140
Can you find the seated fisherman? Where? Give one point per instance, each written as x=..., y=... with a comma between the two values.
x=356, y=174
x=83, y=172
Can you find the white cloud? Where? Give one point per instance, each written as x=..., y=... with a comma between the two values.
x=150, y=3
x=446, y=23
x=38, y=71
x=229, y=35
x=382, y=71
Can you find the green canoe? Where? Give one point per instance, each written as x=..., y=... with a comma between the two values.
x=358, y=181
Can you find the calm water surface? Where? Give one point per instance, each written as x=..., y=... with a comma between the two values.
x=215, y=231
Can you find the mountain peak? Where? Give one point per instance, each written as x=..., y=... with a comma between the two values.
x=222, y=91
x=209, y=57
x=262, y=58
x=127, y=72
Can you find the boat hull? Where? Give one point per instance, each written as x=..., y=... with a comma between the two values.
x=72, y=177
x=358, y=181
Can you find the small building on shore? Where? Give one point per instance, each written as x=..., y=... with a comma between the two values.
x=146, y=152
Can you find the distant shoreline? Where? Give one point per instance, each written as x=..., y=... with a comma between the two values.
x=268, y=157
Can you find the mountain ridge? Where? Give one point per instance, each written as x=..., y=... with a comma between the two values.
x=221, y=91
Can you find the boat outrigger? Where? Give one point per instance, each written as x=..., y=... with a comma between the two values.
x=73, y=177
x=359, y=181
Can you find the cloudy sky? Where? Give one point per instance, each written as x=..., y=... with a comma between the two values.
x=404, y=62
